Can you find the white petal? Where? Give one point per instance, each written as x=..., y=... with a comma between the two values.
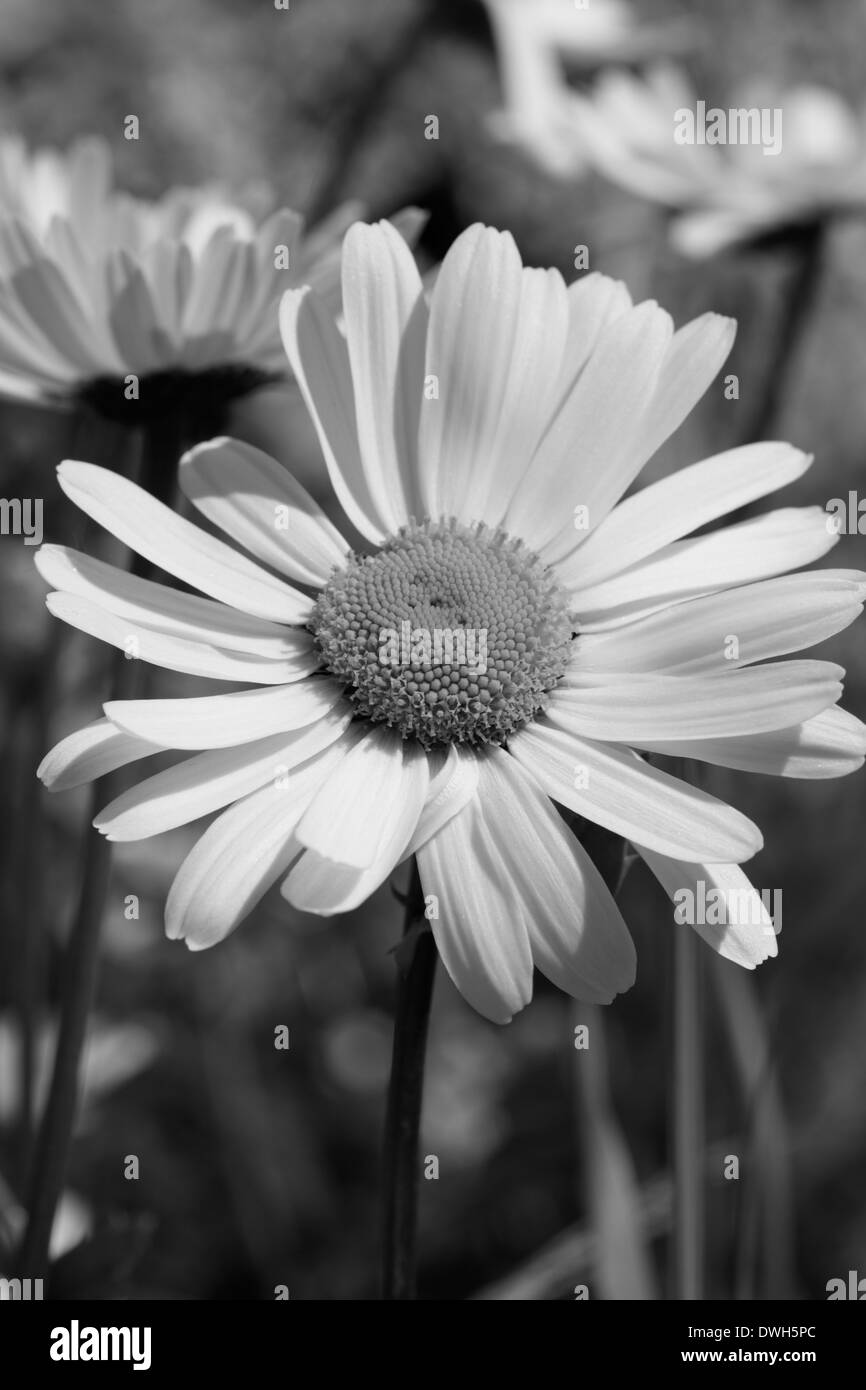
x=771, y=544
x=728, y=629
x=90, y=753
x=260, y=506
x=529, y=395
x=495, y=369
x=678, y=505
x=386, y=328
x=451, y=787
x=318, y=885
x=344, y=822
x=586, y=457
x=745, y=935
x=208, y=781
x=167, y=610
x=241, y=855
x=578, y=937
x=692, y=360
x=47, y=298
x=483, y=942
x=594, y=301
x=176, y=653
x=175, y=545
x=319, y=359
x=830, y=744
x=752, y=700
x=617, y=789
x=220, y=721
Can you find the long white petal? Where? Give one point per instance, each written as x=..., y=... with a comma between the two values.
x=495, y=369
x=345, y=823
x=720, y=631
x=220, y=721
x=578, y=937
x=175, y=545
x=692, y=360
x=208, y=781
x=675, y=506
x=316, y=884
x=319, y=359
x=451, y=787
x=745, y=933
x=586, y=456
x=90, y=753
x=177, y=653
x=759, y=549
x=483, y=942
x=830, y=744
x=241, y=855
x=166, y=610
x=617, y=789
x=751, y=700
x=386, y=328
x=260, y=506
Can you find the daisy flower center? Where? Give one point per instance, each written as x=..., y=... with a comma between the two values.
x=449, y=633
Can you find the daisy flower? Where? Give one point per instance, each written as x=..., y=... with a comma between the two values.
x=97, y=286
x=468, y=440
x=535, y=39
x=720, y=194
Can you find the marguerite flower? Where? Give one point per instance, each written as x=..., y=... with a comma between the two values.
x=463, y=440
x=181, y=292
x=535, y=39
x=778, y=162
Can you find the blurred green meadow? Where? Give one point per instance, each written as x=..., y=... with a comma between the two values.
x=260, y=1166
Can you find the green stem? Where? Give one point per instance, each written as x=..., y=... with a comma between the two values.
x=162, y=446
x=405, y=1095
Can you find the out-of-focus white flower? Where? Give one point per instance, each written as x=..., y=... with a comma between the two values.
x=96, y=285
x=482, y=445
x=771, y=161
x=533, y=40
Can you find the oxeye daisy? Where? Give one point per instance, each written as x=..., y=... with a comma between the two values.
x=482, y=444
x=729, y=175
x=145, y=309
x=535, y=40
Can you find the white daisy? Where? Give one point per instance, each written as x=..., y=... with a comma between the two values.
x=724, y=193
x=181, y=292
x=535, y=39
x=463, y=439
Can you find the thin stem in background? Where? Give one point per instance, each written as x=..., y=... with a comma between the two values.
x=361, y=113
x=766, y=1196
x=688, y=1117
x=401, y=1174
x=164, y=441
x=799, y=299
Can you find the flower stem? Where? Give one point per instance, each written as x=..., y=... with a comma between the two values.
x=799, y=301
x=405, y=1094
x=688, y=1117
x=162, y=446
